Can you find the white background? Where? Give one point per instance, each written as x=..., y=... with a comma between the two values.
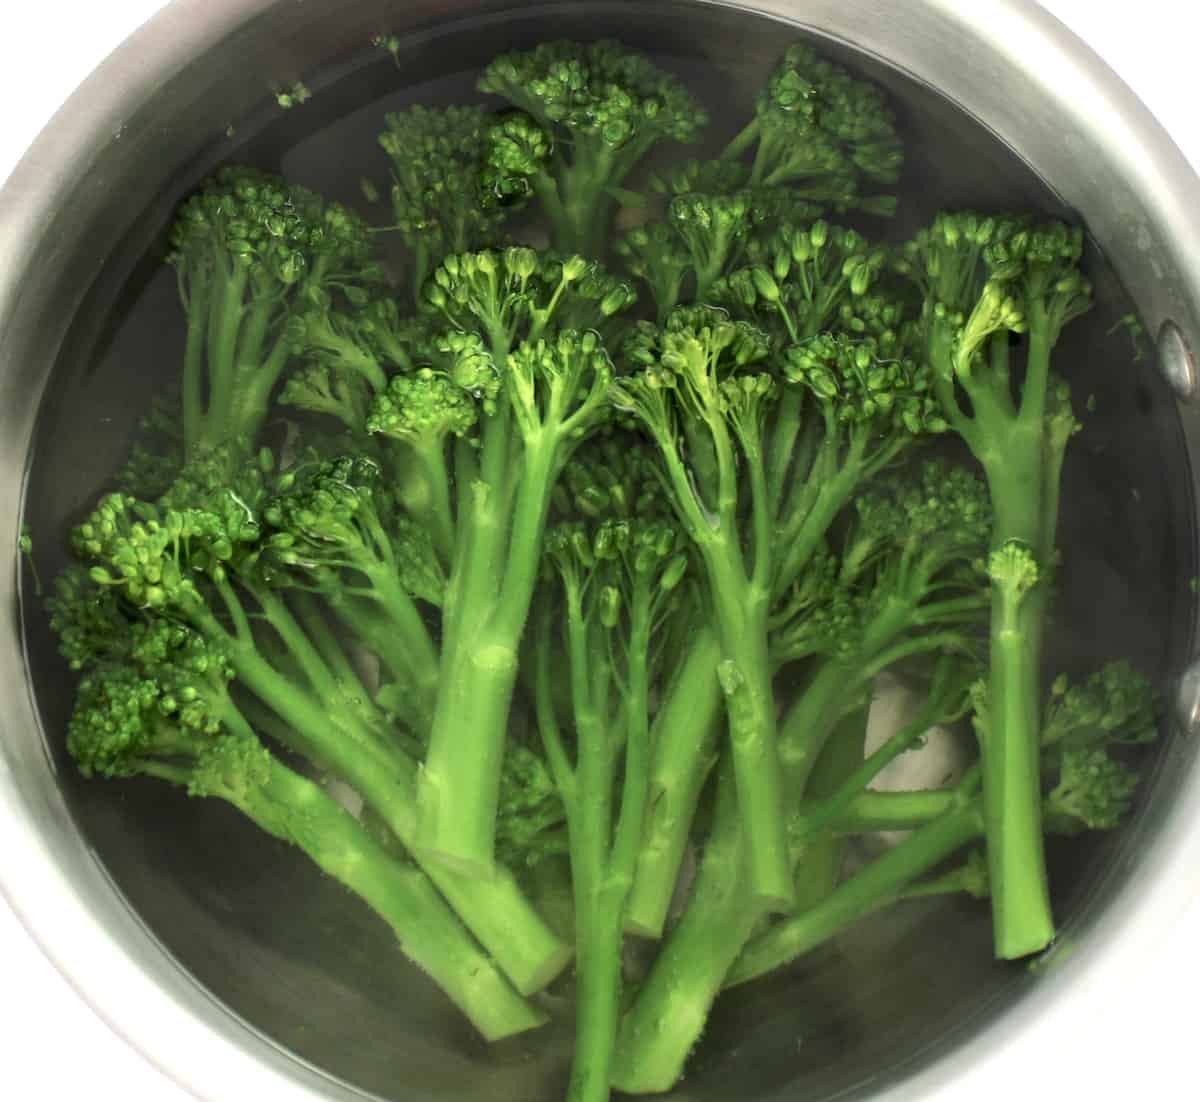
x=55, y=1048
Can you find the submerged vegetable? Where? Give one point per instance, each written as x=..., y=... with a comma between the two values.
x=567, y=584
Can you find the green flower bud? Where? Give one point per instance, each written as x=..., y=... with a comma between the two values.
x=765, y=285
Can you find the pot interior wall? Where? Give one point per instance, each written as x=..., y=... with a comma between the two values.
x=310, y=968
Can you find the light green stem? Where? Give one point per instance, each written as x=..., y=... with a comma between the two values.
x=875, y=886
x=686, y=732
x=660, y=1030
x=294, y=809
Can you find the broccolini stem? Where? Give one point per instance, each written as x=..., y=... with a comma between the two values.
x=494, y=908
x=743, y=141
x=460, y=784
x=598, y=990
x=857, y=778
x=1037, y=364
x=872, y=811
x=459, y=787
x=406, y=620
x=807, y=725
x=433, y=506
x=635, y=786
x=875, y=886
x=802, y=533
x=817, y=854
x=1012, y=775
x=253, y=338
x=685, y=736
x=528, y=525
x=253, y=385
x=668, y=1016
x=787, y=426
x=318, y=674
x=745, y=674
x=198, y=310
x=586, y=207
x=297, y=811
x=598, y=901
x=367, y=624
x=224, y=328
x=349, y=682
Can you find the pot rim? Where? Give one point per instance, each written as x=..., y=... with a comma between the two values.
x=152, y=1004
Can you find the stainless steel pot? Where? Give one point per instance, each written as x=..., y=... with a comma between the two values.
x=200, y=972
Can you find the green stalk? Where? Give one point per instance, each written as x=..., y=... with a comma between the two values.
x=666, y=1020
x=746, y=678
x=494, y=909
x=1014, y=461
x=351, y=689
x=784, y=432
x=812, y=719
x=875, y=886
x=198, y=307
x=586, y=207
x=819, y=859
x=598, y=990
x=404, y=618
x=252, y=389
x=299, y=812
x=685, y=736
x=1022, y=916
x=460, y=784
x=870, y=812
x=368, y=626
x=429, y=499
x=635, y=788
x=597, y=903
x=603, y=852
x=225, y=327
x=744, y=140
x=670, y=1012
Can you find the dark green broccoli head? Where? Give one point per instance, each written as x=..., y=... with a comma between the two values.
x=856, y=383
x=155, y=557
x=518, y=150
x=823, y=131
x=695, y=342
x=422, y=409
x=821, y=614
x=531, y=819
x=1116, y=704
x=1093, y=792
x=720, y=177
x=441, y=196
x=801, y=278
x=87, y=618
x=338, y=515
x=278, y=232
x=504, y=295
x=809, y=92
x=938, y=508
x=612, y=476
x=985, y=274
x=165, y=705
x=156, y=457
x=599, y=92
